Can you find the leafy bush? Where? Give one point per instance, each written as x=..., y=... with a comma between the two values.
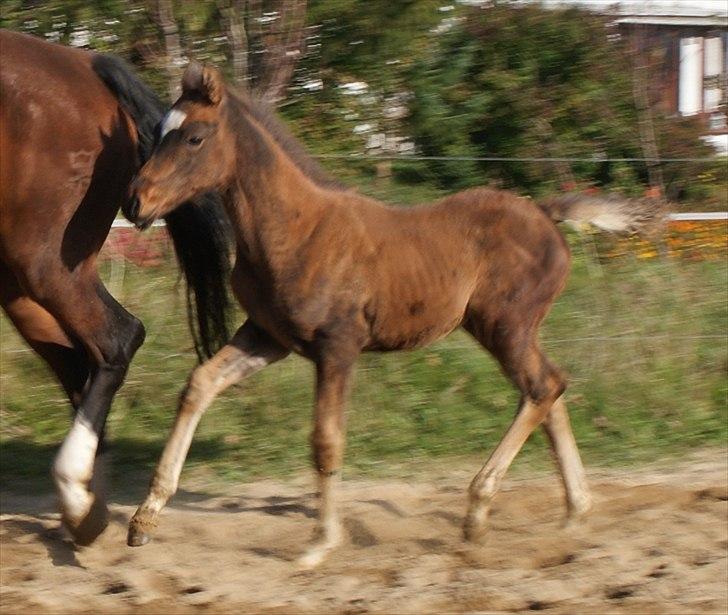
x=526, y=82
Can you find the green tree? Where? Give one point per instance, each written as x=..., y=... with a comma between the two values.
x=525, y=82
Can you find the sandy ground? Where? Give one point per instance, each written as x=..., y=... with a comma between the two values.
x=655, y=543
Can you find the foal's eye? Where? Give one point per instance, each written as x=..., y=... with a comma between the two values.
x=194, y=140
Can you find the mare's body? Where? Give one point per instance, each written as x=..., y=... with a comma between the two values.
x=67, y=154
x=329, y=273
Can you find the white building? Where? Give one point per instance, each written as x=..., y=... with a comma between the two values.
x=688, y=39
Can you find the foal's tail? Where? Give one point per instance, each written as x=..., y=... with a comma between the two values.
x=608, y=213
x=199, y=229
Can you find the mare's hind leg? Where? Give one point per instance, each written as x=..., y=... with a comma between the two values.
x=45, y=336
x=247, y=352
x=110, y=336
x=88, y=340
x=557, y=427
x=541, y=385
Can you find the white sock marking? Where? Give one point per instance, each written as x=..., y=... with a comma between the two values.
x=74, y=467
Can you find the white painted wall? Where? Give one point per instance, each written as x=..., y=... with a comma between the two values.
x=676, y=8
x=690, y=93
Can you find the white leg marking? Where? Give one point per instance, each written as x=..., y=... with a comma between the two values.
x=558, y=428
x=328, y=533
x=74, y=467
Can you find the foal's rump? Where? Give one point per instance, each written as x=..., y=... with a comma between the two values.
x=488, y=259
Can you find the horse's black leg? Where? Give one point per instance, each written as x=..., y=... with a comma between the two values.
x=115, y=337
x=88, y=340
x=93, y=321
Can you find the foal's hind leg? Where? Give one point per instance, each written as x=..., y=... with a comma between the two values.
x=557, y=427
x=248, y=351
x=540, y=385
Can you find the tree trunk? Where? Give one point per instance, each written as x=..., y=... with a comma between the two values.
x=264, y=53
x=233, y=12
x=163, y=12
x=544, y=129
x=648, y=142
x=283, y=47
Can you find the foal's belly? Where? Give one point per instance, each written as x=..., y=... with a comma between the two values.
x=409, y=340
x=418, y=293
x=415, y=322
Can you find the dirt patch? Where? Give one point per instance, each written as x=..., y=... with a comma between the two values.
x=655, y=543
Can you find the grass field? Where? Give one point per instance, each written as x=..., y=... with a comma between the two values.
x=644, y=344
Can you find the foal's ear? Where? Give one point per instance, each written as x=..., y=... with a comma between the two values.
x=204, y=81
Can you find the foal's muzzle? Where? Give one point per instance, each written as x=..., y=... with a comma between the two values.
x=131, y=209
x=133, y=206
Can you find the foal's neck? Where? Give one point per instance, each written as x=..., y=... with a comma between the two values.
x=271, y=202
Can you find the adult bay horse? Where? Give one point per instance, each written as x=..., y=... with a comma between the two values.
x=74, y=128
x=328, y=273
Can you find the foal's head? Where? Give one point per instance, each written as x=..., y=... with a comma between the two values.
x=195, y=151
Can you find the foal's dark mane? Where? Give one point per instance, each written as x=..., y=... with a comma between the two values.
x=264, y=114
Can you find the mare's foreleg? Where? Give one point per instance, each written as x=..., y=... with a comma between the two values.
x=248, y=351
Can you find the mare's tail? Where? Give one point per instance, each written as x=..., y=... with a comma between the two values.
x=608, y=213
x=199, y=229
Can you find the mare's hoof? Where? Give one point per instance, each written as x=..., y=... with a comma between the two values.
x=91, y=526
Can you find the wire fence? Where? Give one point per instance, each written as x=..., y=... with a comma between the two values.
x=683, y=216
x=407, y=158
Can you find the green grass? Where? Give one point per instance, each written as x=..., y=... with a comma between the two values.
x=642, y=341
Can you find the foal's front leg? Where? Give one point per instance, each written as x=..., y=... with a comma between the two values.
x=248, y=351
x=333, y=378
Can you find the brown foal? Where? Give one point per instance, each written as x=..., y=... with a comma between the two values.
x=328, y=273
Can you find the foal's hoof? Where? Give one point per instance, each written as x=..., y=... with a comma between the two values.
x=139, y=531
x=577, y=514
x=89, y=528
x=326, y=541
x=137, y=537
x=474, y=532
x=313, y=557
